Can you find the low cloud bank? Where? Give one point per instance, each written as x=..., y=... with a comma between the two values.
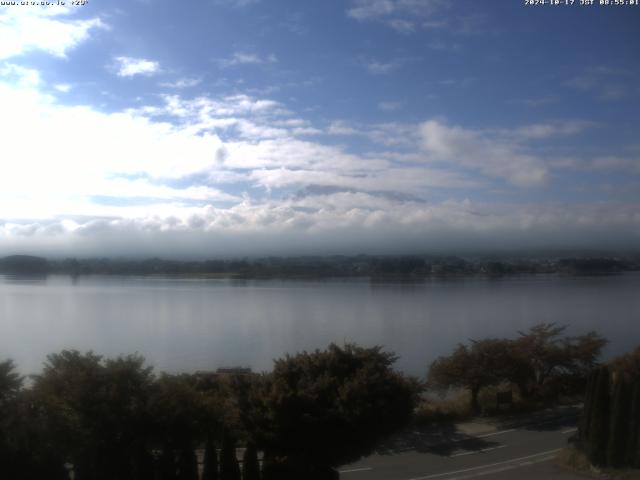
x=339, y=223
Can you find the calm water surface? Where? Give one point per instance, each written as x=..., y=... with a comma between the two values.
x=192, y=324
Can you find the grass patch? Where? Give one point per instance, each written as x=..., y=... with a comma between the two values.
x=453, y=409
x=456, y=406
x=573, y=459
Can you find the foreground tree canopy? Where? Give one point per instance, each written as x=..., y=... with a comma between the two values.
x=472, y=367
x=115, y=419
x=331, y=407
x=109, y=419
x=540, y=362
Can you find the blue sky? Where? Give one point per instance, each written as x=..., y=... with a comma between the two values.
x=235, y=127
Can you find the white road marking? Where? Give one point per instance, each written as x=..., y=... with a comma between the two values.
x=496, y=433
x=353, y=470
x=513, y=460
x=504, y=469
x=508, y=467
x=473, y=452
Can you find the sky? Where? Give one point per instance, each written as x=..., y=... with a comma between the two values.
x=260, y=127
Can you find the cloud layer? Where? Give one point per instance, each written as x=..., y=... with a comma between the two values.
x=46, y=29
x=192, y=170
x=226, y=175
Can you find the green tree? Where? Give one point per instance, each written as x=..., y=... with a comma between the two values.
x=610, y=428
x=12, y=456
x=544, y=354
x=167, y=463
x=229, y=468
x=210, y=467
x=587, y=410
x=10, y=382
x=276, y=468
x=67, y=392
x=250, y=464
x=179, y=412
x=632, y=455
x=322, y=409
x=619, y=422
x=599, y=422
x=28, y=449
x=187, y=464
x=96, y=410
x=479, y=365
x=628, y=363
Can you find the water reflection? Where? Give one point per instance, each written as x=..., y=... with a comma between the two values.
x=184, y=324
x=24, y=279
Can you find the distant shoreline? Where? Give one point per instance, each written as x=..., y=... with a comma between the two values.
x=399, y=268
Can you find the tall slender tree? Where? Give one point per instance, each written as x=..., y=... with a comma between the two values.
x=167, y=464
x=588, y=404
x=229, y=468
x=632, y=455
x=210, y=467
x=599, y=423
x=618, y=422
x=187, y=464
x=250, y=464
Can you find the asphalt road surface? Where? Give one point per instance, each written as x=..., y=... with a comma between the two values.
x=520, y=453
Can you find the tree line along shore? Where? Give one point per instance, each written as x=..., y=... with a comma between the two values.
x=88, y=417
x=327, y=266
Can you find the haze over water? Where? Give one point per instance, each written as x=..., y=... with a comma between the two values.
x=193, y=324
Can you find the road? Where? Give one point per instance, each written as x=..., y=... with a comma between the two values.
x=525, y=453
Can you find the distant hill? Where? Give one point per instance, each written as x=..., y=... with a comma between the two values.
x=24, y=265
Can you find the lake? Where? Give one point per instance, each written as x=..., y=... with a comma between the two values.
x=201, y=324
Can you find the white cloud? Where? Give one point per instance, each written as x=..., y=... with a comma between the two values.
x=247, y=116
x=126, y=179
x=182, y=83
x=364, y=10
x=62, y=87
x=394, y=134
x=21, y=77
x=629, y=163
x=346, y=222
x=340, y=127
x=615, y=162
x=368, y=9
x=507, y=154
x=390, y=106
x=605, y=83
x=409, y=16
x=244, y=58
x=492, y=156
x=61, y=171
x=381, y=68
x=294, y=153
x=402, y=26
x=236, y=3
x=130, y=67
x=550, y=129
x=444, y=46
x=536, y=102
x=390, y=179
x=133, y=156
x=47, y=29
